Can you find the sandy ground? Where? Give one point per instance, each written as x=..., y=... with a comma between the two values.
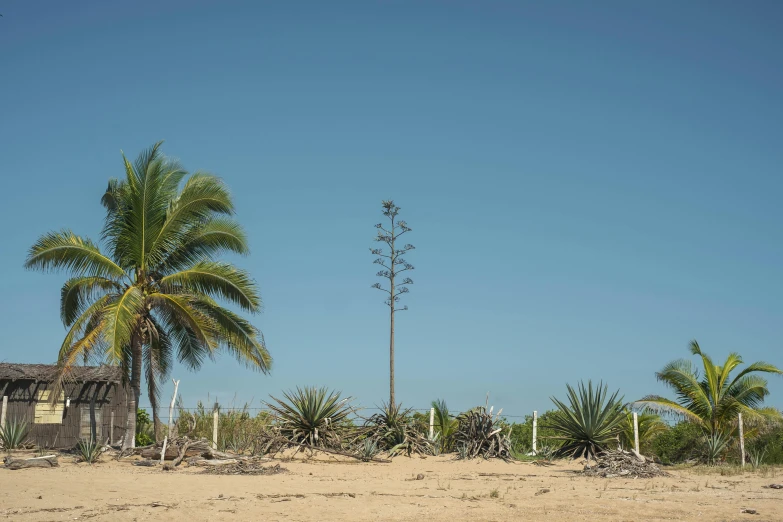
x=339, y=490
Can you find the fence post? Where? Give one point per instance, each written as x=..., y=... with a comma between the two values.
x=636, y=431
x=742, y=441
x=171, y=415
x=432, y=422
x=215, y=419
x=535, y=431
x=2, y=412
x=111, y=428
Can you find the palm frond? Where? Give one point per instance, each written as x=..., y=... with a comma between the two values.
x=238, y=336
x=201, y=198
x=78, y=292
x=204, y=240
x=66, y=250
x=215, y=280
x=121, y=318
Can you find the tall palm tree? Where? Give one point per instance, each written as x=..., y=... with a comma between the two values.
x=150, y=295
x=713, y=400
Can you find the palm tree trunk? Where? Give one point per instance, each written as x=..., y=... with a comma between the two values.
x=155, y=419
x=133, y=402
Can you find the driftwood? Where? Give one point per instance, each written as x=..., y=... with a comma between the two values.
x=182, y=453
x=211, y=462
x=285, y=444
x=244, y=468
x=148, y=463
x=48, y=461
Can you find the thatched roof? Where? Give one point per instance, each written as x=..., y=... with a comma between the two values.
x=46, y=373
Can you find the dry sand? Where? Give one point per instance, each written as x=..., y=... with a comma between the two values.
x=328, y=489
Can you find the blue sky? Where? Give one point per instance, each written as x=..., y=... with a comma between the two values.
x=590, y=185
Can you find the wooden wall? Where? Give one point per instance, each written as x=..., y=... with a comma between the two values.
x=107, y=397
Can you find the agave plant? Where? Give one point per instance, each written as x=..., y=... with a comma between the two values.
x=715, y=445
x=89, y=450
x=368, y=450
x=312, y=416
x=589, y=423
x=393, y=431
x=463, y=453
x=14, y=434
x=483, y=434
x=756, y=456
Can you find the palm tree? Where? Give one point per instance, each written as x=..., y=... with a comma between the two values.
x=650, y=426
x=713, y=400
x=444, y=424
x=150, y=295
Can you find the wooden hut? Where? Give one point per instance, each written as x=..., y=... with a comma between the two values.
x=93, y=403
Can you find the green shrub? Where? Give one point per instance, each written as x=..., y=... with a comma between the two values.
x=522, y=434
x=681, y=442
x=238, y=430
x=144, y=429
x=770, y=443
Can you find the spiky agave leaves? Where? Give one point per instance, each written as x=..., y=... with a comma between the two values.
x=311, y=415
x=393, y=431
x=589, y=423
x=13, y=434
x=479, y=433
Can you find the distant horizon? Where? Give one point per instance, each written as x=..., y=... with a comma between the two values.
x=590, y=187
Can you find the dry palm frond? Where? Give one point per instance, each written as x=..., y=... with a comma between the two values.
x=620, y=463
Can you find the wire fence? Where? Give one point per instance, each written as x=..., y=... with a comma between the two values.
x=258, y=409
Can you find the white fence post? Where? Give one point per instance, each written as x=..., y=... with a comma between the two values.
x=742, y=441
x=171, y=415
x=2, y=412
x=535, y=431
x=215, y=419
x=432, y=422
x=636, y=431
x=111, y=428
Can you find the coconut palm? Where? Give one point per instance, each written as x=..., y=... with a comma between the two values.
x=712, y=401
x=444, y=424
x=589, y=424
x=151, y=294
x=650, y=426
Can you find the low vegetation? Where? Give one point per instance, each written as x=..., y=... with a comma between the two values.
x=13, y=434
x=589, y=424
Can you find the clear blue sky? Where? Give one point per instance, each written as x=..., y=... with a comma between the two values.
x=591, y=185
